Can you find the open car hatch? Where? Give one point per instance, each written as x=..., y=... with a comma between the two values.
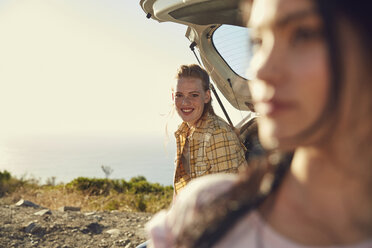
x=213, y=28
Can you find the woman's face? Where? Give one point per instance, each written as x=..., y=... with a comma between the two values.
x=289, y=69
x=190, y=99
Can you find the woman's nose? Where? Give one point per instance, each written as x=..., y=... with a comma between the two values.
x=270, y=65
x=186, y=100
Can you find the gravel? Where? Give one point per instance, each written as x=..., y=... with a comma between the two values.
x=20, y=227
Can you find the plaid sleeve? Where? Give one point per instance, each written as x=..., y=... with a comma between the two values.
x=224, y=152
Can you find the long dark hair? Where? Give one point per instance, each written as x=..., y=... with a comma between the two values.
x=217, y=218
x=357, y=13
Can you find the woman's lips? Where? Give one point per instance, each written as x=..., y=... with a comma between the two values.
x=187, y=111
x=273, y=107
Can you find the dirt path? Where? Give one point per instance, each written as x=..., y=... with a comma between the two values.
x=20, y=227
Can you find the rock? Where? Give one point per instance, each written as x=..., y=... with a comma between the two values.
x=103, y=244
x=114, y=232
x=128, y=245
x=28, y=228
x=68, y=208
x=97, y=217
x=90, y=213
x=34, y=228
x=94, y=228
x=121, y=242
x=43, y=212
x=24, y=203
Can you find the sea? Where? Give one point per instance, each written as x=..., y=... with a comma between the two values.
x=66, y=157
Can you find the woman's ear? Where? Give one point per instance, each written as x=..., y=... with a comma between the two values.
x=207, y=96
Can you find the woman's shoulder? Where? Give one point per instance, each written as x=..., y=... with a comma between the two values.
x=205, y=189
x=167, y=225
x=202, y=191
x=217, y=123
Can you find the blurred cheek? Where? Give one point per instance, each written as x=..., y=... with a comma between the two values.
x=258, y=87
x=314, y=82
x=178, y=105
x=306, y=86
x=257, y=90
x=260, y=90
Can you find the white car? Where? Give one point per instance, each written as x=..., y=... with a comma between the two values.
x=216, y=30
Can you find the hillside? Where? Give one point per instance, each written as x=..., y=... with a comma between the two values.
x=85, y=212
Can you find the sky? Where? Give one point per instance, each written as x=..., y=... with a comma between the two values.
x=88, y=67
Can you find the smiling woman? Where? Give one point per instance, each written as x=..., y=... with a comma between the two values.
x=191, y=100
x=206, y=144
x=192, y=96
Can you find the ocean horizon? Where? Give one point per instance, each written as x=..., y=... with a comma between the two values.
x=69, y=157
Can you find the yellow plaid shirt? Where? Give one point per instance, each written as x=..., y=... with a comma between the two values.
x=213, y=147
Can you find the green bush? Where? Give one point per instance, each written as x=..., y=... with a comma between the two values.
x=4, y=182
x=137, y=185
x=120, y=186
x=9, y=184
x=4, y=176
x=112, y=205
x=138, y=179
x=140, y=203
x=91, y=186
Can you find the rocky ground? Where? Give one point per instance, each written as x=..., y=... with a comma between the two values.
x=28, y=226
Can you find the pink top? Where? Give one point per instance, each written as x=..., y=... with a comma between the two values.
x=251, y=231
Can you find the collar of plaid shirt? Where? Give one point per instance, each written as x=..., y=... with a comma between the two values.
x=185, y=131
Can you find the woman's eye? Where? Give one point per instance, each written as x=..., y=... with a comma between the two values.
x=178, y=95
x=195, y=95
x=255, y=43
x=305, y=35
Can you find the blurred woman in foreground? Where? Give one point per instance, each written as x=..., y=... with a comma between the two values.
x=312, y=87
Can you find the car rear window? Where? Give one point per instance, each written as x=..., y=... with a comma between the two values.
x=232, y=43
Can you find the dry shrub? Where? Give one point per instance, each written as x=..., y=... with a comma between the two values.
x=95, y=195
